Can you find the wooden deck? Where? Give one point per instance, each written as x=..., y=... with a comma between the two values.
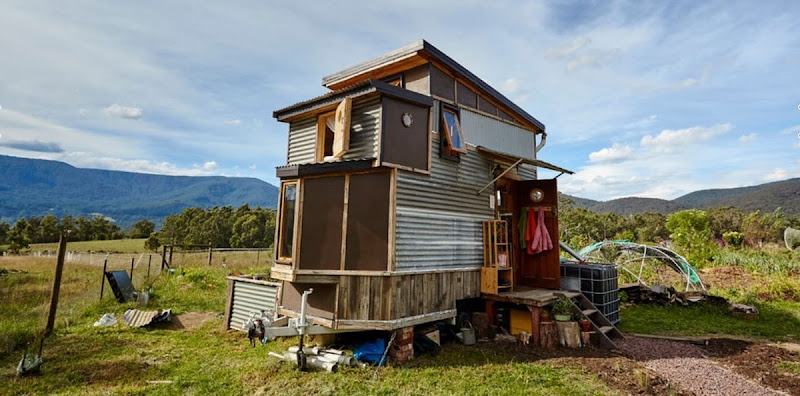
x=530, y=296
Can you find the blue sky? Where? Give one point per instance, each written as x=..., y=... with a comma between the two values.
x=651, y=99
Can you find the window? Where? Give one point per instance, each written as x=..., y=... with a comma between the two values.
x=333, y=132
x=396, y=80
x=452, y=132
x=286, y=228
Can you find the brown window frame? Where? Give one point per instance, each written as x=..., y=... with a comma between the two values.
x=322, y=131
x=282, y=213
x=452, y=149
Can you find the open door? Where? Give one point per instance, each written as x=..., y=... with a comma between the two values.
x=540, y=269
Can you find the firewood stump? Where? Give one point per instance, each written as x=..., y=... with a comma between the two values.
x=548, y=335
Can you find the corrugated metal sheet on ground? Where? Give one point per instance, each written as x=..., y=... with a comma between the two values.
x=137, y=318
x=364, y=129
x=249, y=298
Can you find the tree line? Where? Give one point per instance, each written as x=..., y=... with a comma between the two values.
x=49, y=228
x=220, y=227
x=694, y=233
x=223, y=226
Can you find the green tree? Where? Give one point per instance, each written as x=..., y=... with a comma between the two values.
x=4, y=228
x=152, y=242
x=690, y=231
x=142, y=229
x=50, y=229
x=768, y=227
x=17, y=240
x=724, y=220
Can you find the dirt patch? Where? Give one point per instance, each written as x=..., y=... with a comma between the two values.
x=616, y=371
x=757, y=361
x=687, y=366
x=190, y=320
x=728, y=277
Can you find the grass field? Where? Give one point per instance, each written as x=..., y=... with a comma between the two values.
x=111, y=246
x=82, y=359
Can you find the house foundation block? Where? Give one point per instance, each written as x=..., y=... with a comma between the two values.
x=403, y=346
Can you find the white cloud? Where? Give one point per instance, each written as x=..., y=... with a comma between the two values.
x=83, y=111
x=749, y=138
x=641, y=123
x=234, y=122
x=210, y=166
x=90, y=160
x=777, y=174
x=569, y=48
x=670, y=140
x=117, y=110
x=615, y=153
x=252, y=166
x=795, y=130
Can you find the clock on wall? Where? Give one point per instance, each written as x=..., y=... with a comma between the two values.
x=407, y=119
x=536, y=195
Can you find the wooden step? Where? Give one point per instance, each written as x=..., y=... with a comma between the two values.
x=587, y=312
x=606, y=329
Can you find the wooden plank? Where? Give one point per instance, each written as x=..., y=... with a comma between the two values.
x=344, y=298
x=341, y=133
x=396, y=323
x=364, y=296
x=344, y=222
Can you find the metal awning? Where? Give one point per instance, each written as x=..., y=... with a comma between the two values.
x=516, y=161
x=522, y=160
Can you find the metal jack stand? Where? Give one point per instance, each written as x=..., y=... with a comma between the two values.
x=301, y=330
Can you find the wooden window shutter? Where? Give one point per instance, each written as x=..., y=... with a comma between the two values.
x=341, y=132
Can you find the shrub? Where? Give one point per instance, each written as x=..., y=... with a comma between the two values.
x=690, y=231
x=733, y=238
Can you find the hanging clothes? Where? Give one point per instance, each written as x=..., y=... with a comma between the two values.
x=530, y=230
x=523, y=227
x=541, y=239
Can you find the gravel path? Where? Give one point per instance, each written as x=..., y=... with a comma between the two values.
x=685, y=366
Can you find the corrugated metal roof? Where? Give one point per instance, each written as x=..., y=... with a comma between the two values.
x=428, y=48
x=514, y=158
x=362, y=88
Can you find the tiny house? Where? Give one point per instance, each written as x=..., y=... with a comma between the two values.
x=404, y=184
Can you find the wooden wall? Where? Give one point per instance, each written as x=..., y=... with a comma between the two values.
x=387, y=298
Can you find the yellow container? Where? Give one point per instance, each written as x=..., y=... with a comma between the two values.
x=520, y=321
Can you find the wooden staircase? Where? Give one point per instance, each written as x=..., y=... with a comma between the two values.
x=606, y=332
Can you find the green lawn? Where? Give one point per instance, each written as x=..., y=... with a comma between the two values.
x=110, y=246
x=82, y=359
x=778, y=321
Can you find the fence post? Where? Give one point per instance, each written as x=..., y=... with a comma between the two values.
x=163, y=257
x=51, y=315
x=131, y=270
x=149, y=260
x=171, y=248
x=103, y=277
x=209, y=253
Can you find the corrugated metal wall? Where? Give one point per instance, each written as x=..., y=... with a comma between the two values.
x=251, y=297
x=439, y=216
x=364, y=129
x=484, y=131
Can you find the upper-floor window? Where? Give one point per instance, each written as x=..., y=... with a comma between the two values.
x=452, y=132
x=286, y=221
x=333, y=132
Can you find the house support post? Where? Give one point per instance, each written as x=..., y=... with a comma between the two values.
x=402, y=349
x=536, y=313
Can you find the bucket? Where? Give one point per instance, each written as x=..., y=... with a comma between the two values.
x=468, y=334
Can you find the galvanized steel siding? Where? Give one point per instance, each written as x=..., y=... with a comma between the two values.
x=480, y=130
x=439, y=216
x=251, y=297
x=364, y=130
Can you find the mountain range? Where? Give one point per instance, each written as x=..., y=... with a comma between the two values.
x=767, y=197
x=34, y=187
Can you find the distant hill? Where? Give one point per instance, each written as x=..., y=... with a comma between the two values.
x=764, y=197
x=31, y=187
